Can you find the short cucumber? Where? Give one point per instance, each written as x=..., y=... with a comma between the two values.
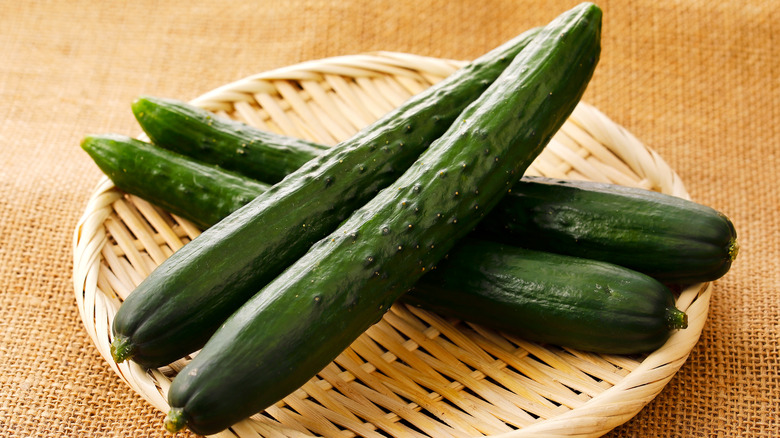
x=221, y=141
x=552, y=298
x=181, y=303
x=671, y=239
x=305, y=317
x=199, y=192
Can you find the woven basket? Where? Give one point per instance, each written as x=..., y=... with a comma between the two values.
x=414, y=373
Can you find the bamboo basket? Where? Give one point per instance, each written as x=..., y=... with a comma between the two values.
x=414, y=373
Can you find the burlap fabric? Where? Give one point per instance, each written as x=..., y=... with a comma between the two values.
x=698, y=81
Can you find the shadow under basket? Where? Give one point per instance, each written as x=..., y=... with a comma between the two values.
x=415, y=373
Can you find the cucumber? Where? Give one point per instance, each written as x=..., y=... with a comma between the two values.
x=693, y=243
x=221, y=141
x=182, y=302
x=568, y=301
x=305, y=317
x=199, y=192
x=669, y=238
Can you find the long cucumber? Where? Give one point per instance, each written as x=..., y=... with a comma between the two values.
x=693, y=243
x=182, y=302
x=671, y=239
x=306, y=316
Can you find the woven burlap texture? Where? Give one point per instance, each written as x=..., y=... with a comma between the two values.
x=695, y=80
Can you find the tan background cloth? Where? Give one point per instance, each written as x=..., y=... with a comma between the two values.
x=698, y=81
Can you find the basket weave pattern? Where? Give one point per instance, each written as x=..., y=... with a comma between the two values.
x=414, y=373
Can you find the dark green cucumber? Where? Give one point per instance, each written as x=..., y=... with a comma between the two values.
x=174, y=311
x=198, y=192
x=543, y=297
x=692, y=243
x=305, y=317
x=671, y=239
x=221, y=141
x=552, y=298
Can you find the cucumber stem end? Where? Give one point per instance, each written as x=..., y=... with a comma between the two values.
x=175, y=420
x=121, y=349
x=676, y=319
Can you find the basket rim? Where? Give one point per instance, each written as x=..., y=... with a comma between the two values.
x=595, y=417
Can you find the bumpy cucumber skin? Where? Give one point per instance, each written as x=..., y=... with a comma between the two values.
x=551, y=298
x=174, y=311
x=300, y=321
x=671, y=239
x=198, y=192
x=229, y=144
